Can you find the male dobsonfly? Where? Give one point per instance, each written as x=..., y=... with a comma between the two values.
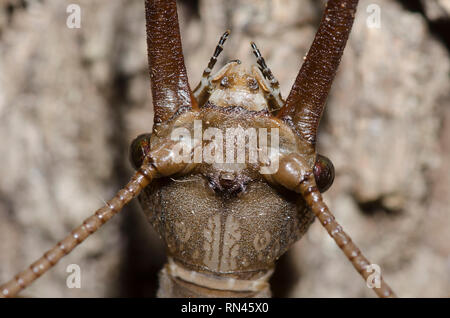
x=226, y=219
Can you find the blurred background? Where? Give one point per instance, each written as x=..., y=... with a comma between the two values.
x=72, y=100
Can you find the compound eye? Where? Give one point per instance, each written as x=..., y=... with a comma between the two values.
x=226, y=82
x=139, y=149
x=323, y=173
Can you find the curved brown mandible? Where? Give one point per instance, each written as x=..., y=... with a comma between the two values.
x=294, y=174
x=306, y=101
x=169, y=81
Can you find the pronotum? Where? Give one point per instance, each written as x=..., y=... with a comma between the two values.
x=225, y=225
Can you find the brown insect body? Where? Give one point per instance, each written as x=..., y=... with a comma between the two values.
x=224, y=220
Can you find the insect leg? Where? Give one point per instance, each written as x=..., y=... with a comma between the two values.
x=294, y=174
x=275, y=100
x=139, y=181
x=201, y=92
x=160, y=161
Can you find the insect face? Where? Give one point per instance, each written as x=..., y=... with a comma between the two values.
x=234, y=85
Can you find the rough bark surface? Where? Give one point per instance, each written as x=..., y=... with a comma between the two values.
x=71, y=101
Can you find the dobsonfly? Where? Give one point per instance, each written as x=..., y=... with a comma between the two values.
x=225, y=224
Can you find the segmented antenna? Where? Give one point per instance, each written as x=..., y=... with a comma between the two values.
x=313, y=198
x=201, y=91
x=217, y=51
x=138, y=182
x=275, y=93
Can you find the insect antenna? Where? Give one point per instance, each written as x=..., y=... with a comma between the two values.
x=314, y=200
x=201, y=92
x=139, y=181
x=275, y=94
